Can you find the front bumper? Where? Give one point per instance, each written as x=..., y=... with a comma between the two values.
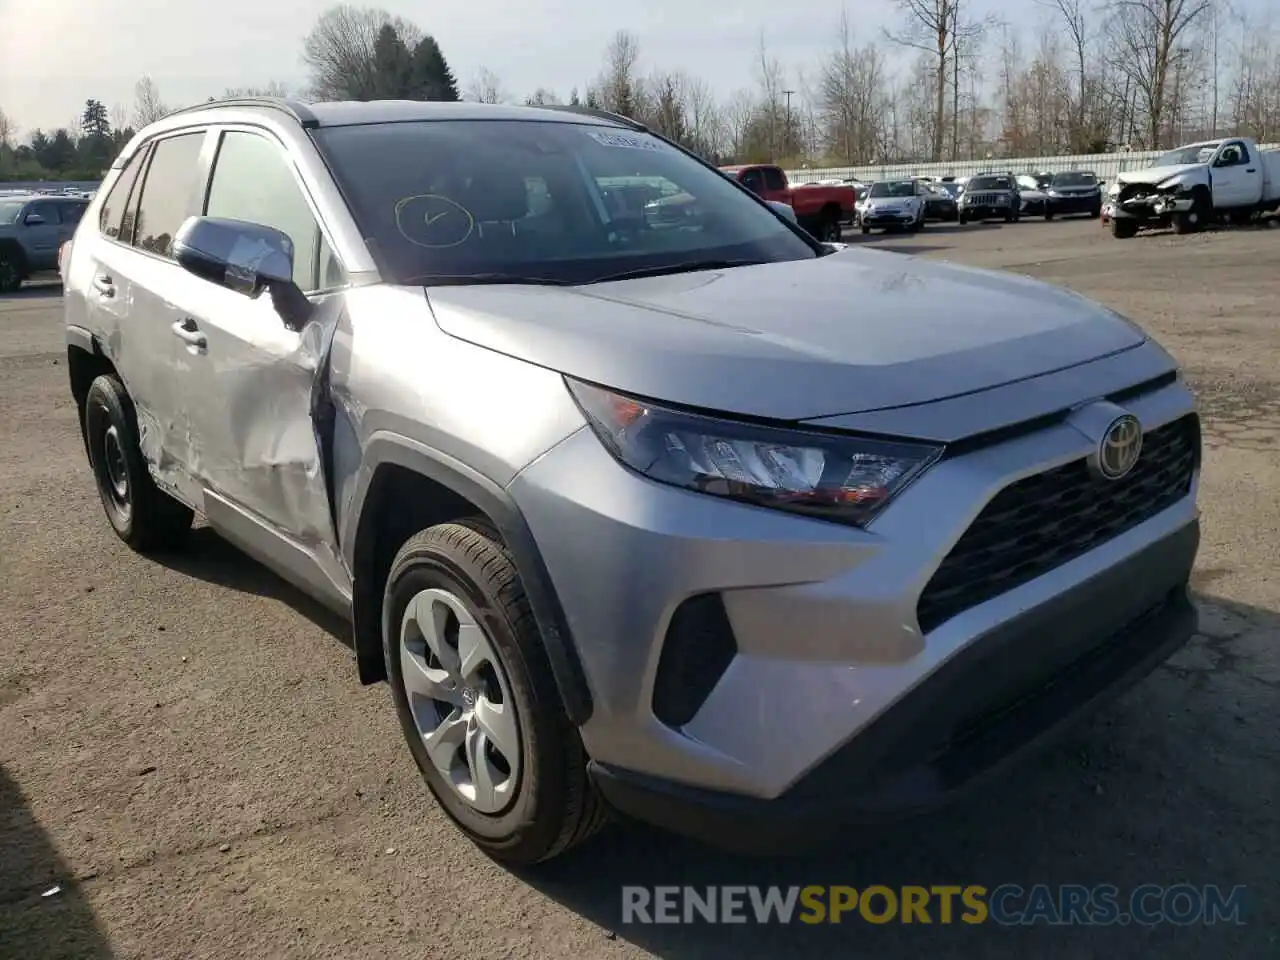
x=824, y=621
x=1152, y=206
x=1006, y=694
x=1082, y=203
x=886, y=218
x=987, y=211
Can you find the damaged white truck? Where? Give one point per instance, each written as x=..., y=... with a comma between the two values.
x=1193, y=186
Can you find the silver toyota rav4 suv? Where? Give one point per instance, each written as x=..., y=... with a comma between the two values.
x=692, y=518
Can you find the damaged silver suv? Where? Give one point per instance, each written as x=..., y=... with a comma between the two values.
x=693, y=518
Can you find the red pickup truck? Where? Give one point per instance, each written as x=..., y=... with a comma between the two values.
x=820, y=209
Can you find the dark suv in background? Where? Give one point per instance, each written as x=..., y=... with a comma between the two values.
x=1076, y=191
x=32, y=229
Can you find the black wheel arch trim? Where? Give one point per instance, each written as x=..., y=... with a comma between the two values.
x=82, y=338
x=384, y=449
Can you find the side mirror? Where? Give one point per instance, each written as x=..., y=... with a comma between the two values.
x=784, y=210
x=245, y=257
x=33, y=220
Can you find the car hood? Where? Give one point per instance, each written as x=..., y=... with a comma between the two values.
x=854, y=331
x=1156, y=174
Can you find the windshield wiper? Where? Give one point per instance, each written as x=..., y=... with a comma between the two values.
x=477, y=279
x=687, y=267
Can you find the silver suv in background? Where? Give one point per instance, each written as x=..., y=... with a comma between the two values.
x=691, y=517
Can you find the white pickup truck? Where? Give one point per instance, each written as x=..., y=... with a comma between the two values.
x=1196, y=185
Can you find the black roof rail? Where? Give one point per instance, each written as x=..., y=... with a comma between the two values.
x=294, y=108
x=596, y=112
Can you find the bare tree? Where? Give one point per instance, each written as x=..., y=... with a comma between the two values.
x=619, y=87
x=273, y=89
x=340, y=51
x=147, y=105
x=705, y=121
x=8, y=130
x=773, y=103
x=486, y=87
x=739, y=113
x=928, y=28
x=1149, y=37
x=542, y=97
x=850, y=98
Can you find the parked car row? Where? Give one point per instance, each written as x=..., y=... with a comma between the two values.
x=910, y=202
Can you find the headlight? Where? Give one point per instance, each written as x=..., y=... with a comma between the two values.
x=1113, y=190
x=841, y=478
x=1054, y=193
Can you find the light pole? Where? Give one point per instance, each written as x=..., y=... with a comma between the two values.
x=787, y=140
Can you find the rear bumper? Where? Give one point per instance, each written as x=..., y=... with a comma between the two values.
x=999, y=698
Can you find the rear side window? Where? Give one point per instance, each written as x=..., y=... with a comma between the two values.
x=117, y=201
x=168, y=192
x=253, y=181
x=46, y=209
x=72, y=212
x=773, y=179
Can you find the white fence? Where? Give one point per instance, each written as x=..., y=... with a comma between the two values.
x=1105, y=165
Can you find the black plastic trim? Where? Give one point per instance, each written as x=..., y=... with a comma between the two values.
x=566, y=665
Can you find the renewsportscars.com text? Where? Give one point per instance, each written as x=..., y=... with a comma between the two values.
x=1007, y=904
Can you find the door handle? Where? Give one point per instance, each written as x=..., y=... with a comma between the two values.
x=1251, y=170
x=187, y=331
x=104, y=285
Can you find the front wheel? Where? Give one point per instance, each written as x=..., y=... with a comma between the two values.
x=476, y=699
x=10, y=272
x=1194, y=219
x=866, y=229
x=1123, y=228
x=142, y=515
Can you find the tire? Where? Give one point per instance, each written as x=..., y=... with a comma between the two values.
x=547, y=803
x=1095, y=213
x=829, y=229
x=141, y=514
x=11, y=272
x=962, y=218
x=1123, y=228
x=866, y=229
x=1048, y=214
x=1195, y=219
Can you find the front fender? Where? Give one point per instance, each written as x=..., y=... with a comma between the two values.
x=385, y=448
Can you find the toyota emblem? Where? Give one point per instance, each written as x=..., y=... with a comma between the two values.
x=1119, y=449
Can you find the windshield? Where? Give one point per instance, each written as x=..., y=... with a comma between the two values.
x=1196, y=153
x=951, y=189
x=893, y=188
x=485, y=200
x=988, y=183
x=10, y=209
x=1075, y=180
x=1028, y=183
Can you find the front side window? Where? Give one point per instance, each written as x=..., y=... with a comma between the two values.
x=773, y=179
x=549, y=201
x=253, y=181
x=168, y=192
x=117, y=200
x=47, y=210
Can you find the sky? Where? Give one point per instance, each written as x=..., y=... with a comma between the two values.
x=55, y=54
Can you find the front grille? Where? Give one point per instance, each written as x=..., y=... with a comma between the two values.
x=1046, y=520
x=987, y=199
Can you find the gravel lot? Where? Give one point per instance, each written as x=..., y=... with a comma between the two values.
x=186, y=752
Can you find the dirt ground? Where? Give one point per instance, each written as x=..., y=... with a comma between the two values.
x=185, y=751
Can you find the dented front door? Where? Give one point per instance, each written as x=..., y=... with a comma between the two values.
x=246, y=410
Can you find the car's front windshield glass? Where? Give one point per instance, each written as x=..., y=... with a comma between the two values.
x=988, y=183
x=10, y=210
x=552, y=201
x=893, y=188
x=1196, y=153
x=1075, y=180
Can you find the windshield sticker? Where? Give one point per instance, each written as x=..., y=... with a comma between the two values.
x=433, y=221
x=625, y=140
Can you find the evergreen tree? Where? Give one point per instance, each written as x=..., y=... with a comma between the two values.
x=431, y=77
x=392, y=66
